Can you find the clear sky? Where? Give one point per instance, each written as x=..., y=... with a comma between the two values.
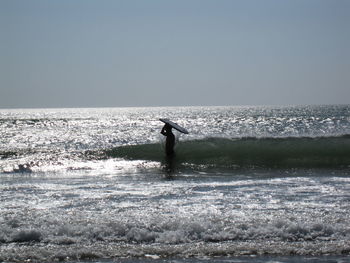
x=114, y=53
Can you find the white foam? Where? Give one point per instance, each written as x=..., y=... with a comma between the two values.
x=85, y=216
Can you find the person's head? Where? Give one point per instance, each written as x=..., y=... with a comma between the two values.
x=168, y=127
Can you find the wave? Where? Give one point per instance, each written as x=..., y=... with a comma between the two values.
x=169, y=237
x=291, y=152
x=208, y=153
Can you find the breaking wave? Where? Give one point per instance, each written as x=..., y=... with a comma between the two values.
x=291, y=152
x=204, y=236
x=209, y=153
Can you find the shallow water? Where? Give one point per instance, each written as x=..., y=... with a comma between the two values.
x=82, y=184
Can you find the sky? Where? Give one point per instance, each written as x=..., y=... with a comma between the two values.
x=117, y=53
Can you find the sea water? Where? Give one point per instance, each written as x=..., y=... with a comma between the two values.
x=257, y=184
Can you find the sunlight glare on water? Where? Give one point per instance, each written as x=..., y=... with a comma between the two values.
x=81, y=184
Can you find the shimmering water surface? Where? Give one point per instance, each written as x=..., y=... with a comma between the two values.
x=94, y=184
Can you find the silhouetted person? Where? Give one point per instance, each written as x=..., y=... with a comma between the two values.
x=170, y=140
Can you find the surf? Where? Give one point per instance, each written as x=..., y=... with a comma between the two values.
x=253, y=152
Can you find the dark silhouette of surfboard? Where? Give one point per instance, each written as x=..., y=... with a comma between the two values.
x=174, y=125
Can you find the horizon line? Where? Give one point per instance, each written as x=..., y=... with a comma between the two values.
x=175, y=106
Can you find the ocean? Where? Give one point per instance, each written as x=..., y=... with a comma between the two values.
x=247, y=184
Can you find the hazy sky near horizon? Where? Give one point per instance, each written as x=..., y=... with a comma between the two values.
x=116, y=53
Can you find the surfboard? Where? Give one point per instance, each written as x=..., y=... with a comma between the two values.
x=175, y=125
